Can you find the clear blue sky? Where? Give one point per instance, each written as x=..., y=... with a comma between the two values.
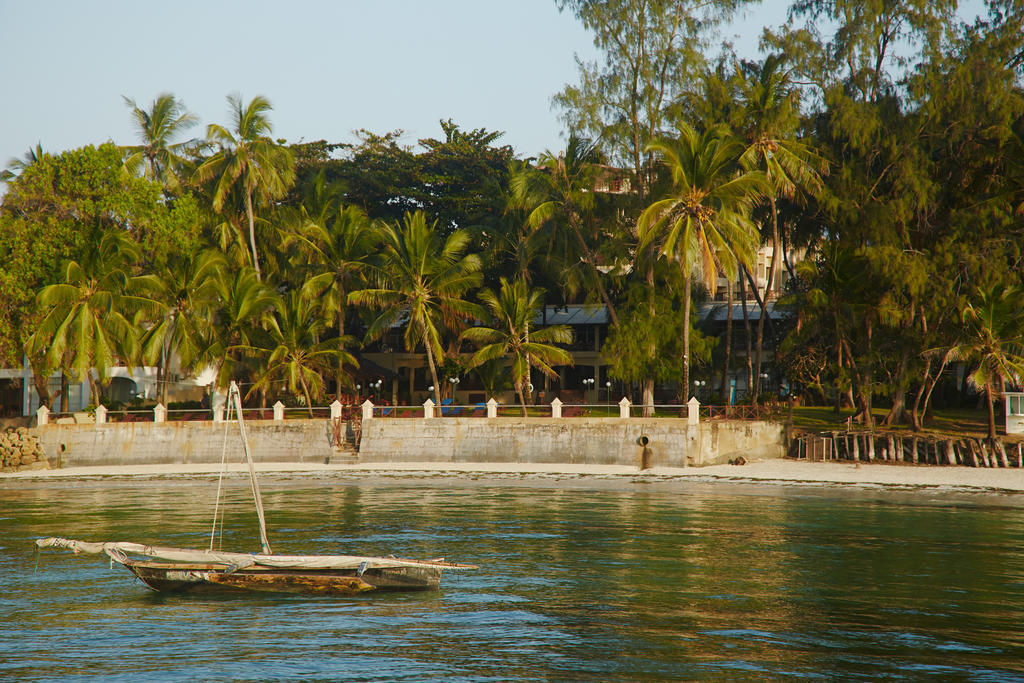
x=328, y=67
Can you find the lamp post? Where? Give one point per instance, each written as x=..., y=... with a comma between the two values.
x=376, y=389
x=359, y=392
x=455, y=385
x=608, y=391
x=697, y=384
x=588, y=384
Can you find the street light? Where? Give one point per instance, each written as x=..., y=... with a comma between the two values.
x=376, y=387
x=359, y=392
x=455, y=385
x=608, y=389
x=588, y=384
x=697, y=386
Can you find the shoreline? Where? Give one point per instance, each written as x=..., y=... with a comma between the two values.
x=785, y=473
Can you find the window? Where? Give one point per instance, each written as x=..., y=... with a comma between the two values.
x=1016, y=404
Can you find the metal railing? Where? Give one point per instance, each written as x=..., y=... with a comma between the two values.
x=367, y=410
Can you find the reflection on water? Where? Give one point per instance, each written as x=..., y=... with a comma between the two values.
x=575, y=584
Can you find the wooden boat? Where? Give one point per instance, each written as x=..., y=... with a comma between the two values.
x=182, y=569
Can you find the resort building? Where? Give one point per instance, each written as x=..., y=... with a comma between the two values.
x=1014, y=402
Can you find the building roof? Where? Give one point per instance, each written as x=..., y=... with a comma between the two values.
x=718, y=311
x=574, y=314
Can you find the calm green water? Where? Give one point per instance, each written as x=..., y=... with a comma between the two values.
x=577, y=583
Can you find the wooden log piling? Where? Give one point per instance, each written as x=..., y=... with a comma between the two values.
x=918, y=449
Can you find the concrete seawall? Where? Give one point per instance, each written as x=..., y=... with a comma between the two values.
x=594, y=441
x=149, y=443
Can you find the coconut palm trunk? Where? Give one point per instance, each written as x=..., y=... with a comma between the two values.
x=687, y=286
x=305, y=392
x=522, y=396
x=746, y=330
x=252, y=234
x=769, y=284
x=433, y=368
x=728, y=343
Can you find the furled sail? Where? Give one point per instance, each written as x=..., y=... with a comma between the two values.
x=118, y=550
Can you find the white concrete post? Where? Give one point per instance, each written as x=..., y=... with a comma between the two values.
x=428, y=409
x=367, y=409
x=335, y=409
x=692, y=412
x=220, y=402
x=101, y=415
x=42, y=416
x=159, y=413
x=278, y=412
x=492, y=407
x=624, y=405
x=556, y=408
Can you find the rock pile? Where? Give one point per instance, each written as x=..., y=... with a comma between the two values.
x=19, y=449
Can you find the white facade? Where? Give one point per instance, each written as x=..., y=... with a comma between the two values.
x=759, y=271
x=1014, y=412
x=126, y=385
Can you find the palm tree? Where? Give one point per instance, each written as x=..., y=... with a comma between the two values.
x=993, y=336
x=769, y=119
x=337, y=251
x=16, y=166
x=704, y=220
x=181, y=299
x=512, y=311
x=559, y=194
x=294, y=351
x=422, y=277
x=88, y=326
x=248, y=163
x=244, y=303
x=159, y=158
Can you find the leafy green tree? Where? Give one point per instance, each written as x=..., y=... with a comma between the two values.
x=866, y=51
x=512, y=311
x=248, y=163
x=421, y=279
x=380, y=175
x=993, y=336
x=653, y=54
x=55, y=211
x=293, y=350
x=660, y=326
x=460, y=179
x=15, y=166
x=463, y=178
x=159, y=158
x=703, y=223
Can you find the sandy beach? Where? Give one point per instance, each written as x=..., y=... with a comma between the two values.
x=775, y=472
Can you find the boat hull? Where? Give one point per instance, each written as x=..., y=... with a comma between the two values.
x=187, y=577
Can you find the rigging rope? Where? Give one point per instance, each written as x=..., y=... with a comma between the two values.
x=220, y=479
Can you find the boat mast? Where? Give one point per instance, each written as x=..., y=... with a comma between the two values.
x=233, y=394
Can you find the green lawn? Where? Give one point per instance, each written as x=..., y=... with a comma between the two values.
x=960, y=421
